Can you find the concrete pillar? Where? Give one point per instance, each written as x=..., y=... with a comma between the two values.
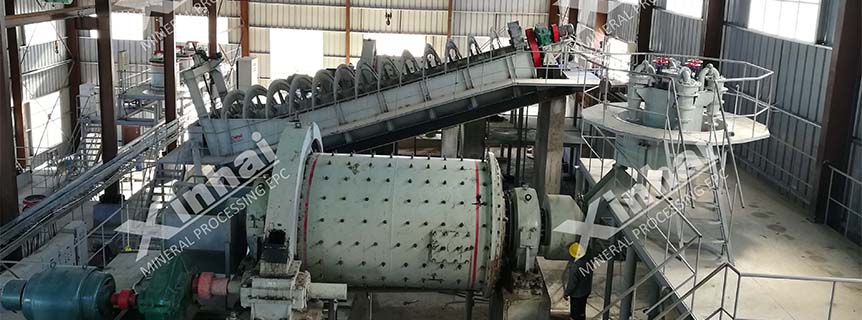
x=449, y=142
x=473, y=141
x=548, y=150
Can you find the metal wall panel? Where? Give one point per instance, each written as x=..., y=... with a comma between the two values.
x=623, y=22
x=403, y=21
x=334, y=3
x=42, y=55
x=737, y=12
x=138, y=51
x=401, y=4
x=45, y=81
x=801, y=71
x=225, y=9
x=481, y=23
x=297, y=16
x=263, y=64
x=31, y=6
x=260, y=40
x=676, y=34
x=502, y=6
x=333, y=44
x=587, y=13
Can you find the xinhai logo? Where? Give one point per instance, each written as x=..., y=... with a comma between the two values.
x=200, y=199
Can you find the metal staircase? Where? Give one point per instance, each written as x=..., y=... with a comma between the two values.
x=692, y=190
x=90, y=148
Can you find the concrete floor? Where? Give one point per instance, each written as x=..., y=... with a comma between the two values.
x=771, y=236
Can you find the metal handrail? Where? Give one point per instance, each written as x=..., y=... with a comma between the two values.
x=85, y=187
x=727, y=267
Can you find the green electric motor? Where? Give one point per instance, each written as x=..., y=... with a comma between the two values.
x=544, y=36
x=167, y=294
x=73, y=293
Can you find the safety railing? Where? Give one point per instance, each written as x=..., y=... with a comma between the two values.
x=615, y=69
x=844, y=201
x=84, y=187
x=676, y=241
x=731, y=291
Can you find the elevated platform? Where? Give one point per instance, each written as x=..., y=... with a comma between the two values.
x=613, y=117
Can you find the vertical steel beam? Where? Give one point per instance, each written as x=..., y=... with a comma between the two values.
x=629, y=276
x=8, y=174
x=609, y=285
x=170, y=48
x=245, y=24
x=842, y=92
x=714, y=31
x=212, y=20
x=574, y=13
x=553, y=12
x=106, y=94
x=157, y=29
x=347, y=31
x=601, y=22
x=449, y=20
x=17, y=90
x=644, y=27
x=72, y=42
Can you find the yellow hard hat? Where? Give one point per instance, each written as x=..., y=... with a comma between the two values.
x=576, y=251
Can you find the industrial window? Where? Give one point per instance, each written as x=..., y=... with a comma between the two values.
x=620, y=60
x=192, y=28
x=394, y=44
x=45, y=118
x=793, y=19
x=124, y=26
x=285, y=60
x=127, y=26
x=692, y=8
x=40, y=33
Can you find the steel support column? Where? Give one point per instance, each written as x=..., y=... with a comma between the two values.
x=74, y=52
x=347, y=31
x=449, y=20
x=601, y=21
x=629, y=275
x=609, y=284
x=450, y=138
x=842, y=92
x=8, y=174
x=106, y=94
x=212, y=21
x=473, y=139
x=573, y=16
x=17, y=90
x=548, y=151
x=553, y=12
x=245, y=37
x=714, y=31
x=645, y=27
x=170, y=54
